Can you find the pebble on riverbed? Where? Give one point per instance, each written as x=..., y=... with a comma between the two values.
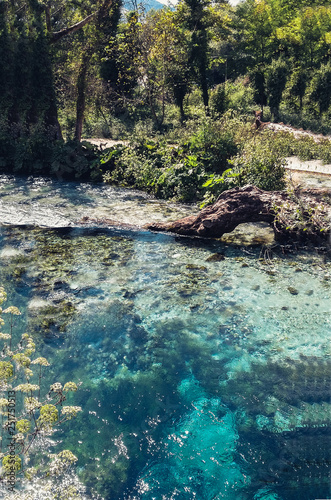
x=215, y=257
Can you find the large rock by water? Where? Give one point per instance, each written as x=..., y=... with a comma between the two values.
x=251, y=204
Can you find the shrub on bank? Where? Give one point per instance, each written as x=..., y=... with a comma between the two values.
x=261, y=164
x=172, y=171
x=37, y=154
x=209, y=156
x=165, y=171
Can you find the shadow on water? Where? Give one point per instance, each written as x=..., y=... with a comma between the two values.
x=37, y=188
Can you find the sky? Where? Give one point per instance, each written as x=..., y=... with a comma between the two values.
x=173, y=2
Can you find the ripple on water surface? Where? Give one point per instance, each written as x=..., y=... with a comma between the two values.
x=50, y=203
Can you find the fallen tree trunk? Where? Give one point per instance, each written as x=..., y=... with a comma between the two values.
x=298, y=216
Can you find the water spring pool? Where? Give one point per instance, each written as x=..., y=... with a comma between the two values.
x=204, y=366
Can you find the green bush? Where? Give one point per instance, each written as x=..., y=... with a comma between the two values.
x=169, y=171
x=261, y=164
x=37, y=154
x=25, y=151
x=181, y=180
x=218, y=100
x=79, y=161
x=165, y=171
x=216, y=184
x=305, y=147
x=240, y=95
x=213, y=144
x=133, y=170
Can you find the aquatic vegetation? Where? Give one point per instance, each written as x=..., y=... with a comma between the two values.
x=51, y=319
x=261, y=389
x=182, y=359
x=29, y=415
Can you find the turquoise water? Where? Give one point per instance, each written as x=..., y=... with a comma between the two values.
x=204, y=368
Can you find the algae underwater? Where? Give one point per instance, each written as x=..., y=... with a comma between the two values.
x=204, y=367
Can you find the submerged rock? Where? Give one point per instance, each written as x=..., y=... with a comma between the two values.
x=216, y=257
x=52, y=318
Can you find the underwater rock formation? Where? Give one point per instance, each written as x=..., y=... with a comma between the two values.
x=291, y=216
x=107, y=222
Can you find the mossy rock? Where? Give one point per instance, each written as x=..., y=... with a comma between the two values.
x=216, y=257
x=52, y=319
x=194, y=267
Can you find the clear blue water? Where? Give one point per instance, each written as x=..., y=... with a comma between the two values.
x=200, y=379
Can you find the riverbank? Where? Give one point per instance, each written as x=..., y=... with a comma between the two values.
x=310, y=173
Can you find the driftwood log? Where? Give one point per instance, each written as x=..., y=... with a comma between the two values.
x=297, y=216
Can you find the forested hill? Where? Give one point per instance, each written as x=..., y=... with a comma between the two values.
x=129, y=5
x=71, y=68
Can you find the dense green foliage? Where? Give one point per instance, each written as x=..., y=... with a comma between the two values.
x=30, y=132
x=208, y=159
x=72, y=69
x=170, y=171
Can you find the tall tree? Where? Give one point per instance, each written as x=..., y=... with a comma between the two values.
x=153, y=52
x=29, y=29
x=255, y=31
x=319, y=90
x=120, y=67
x=275, y=85
x=296, y=88
x=30, y=102
x=257, y=76
x=166, y=58
x=96, y=36
x=6, y=62
x=195, y=19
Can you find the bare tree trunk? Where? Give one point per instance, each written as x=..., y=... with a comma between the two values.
x=251, y=204
x=181, y=109
x=48, y=18
x=81, y=97
x=55, y=37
